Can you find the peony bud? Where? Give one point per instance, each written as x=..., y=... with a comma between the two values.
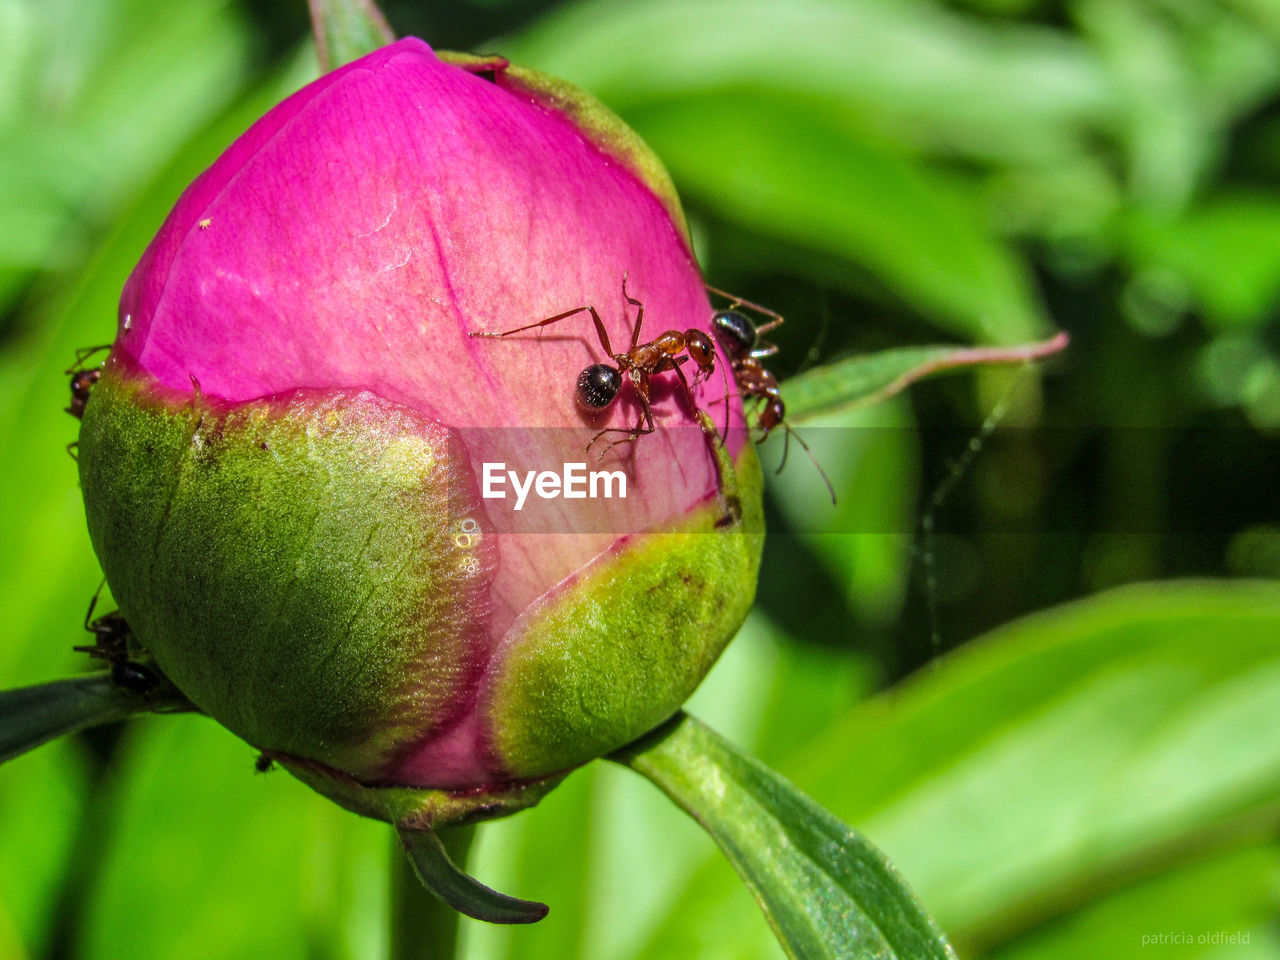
x=284, y=462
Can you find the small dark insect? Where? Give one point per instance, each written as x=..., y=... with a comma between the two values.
x=263, y=763
x=741, y=340
x=82, y=379
x=111, y=643
x=598, y=385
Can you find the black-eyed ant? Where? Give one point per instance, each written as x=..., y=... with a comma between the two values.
x=598, y=385
x=741, y=341
x=111, y=643
x=83, y=380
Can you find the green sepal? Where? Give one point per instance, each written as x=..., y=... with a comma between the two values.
x=621, y=644
x=419, y=815
x=826, y=891
x=291, y=563
x=414, y=808
x=438, y=873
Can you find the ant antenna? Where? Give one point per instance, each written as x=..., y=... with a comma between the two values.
x=724, y=378
x=812, y=459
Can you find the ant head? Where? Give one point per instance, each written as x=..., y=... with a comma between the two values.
x=736, y=332
x=701, y=349
x=82, y=380
x=598, y=385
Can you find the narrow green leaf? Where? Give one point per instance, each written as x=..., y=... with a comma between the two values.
x=865, y=380
x=424, y=927
x=515, y=852
x=459, y=890
x=30, y=716
x=825, y=890
x=346, y=30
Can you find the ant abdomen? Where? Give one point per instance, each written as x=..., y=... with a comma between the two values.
x=598, y=385
x=133, y=677
x=737, y=332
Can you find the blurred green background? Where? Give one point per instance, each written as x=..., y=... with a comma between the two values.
x=1079, y=783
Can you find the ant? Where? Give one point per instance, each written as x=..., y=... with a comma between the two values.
x=82, y=380
x=263, y=764
x=598, y=385
x=111, y=632
x=741, y=340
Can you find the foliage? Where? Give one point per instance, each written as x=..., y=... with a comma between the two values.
x=884, y=175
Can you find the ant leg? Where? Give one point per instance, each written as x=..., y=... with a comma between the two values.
x=93, y=602
x=775, y=319
x=632, y=433
x=595, y=317
x=763, y=348
x=71, y=450
x=688, y=393
x=83, y=354
x=724, y=377
x=635, y=331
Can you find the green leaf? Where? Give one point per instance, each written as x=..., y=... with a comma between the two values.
x=1036, y=766
x=50, y=568
x=190, y=846
x=346, y=30
x=873, y=378
x=1222, y=905
x=925, y=73
x=44, y=795
x=787, y=169
x=1222, y=249
x=31, y=716
x=824, y=889
x=92, y=101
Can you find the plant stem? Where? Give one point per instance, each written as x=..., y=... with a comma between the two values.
x=423, y=927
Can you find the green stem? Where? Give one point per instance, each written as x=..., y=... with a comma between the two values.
x=346, y=30
x=424, y=927
x=31, y=716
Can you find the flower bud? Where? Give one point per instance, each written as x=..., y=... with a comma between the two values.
x=290, y=462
